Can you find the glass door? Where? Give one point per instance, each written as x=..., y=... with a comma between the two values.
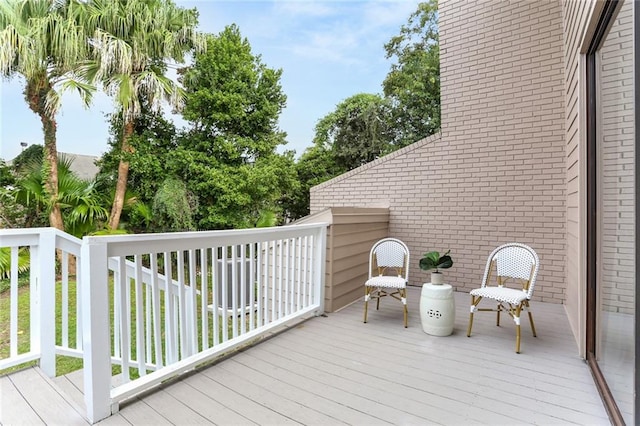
x=612, y=205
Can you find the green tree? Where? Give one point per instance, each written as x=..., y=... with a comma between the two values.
x=316, y=165
x=40, y=40
x=134, y=40
x=233, y=100
x=357, y=131
x=413, y=83
x=228, y=156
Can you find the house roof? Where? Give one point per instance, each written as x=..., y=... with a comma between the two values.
x=84, y=166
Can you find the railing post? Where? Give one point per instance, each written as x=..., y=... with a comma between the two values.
x=319, y=253
x=95, y=329
x=46, y=296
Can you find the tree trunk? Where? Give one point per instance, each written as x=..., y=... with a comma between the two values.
x=123, y=174
x=36, y=94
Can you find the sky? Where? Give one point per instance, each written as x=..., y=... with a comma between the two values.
x=328, y=51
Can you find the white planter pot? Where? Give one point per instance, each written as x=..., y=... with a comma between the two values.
x=437, y=278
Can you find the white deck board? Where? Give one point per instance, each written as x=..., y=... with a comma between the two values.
x=338, y=370
x=43, y=398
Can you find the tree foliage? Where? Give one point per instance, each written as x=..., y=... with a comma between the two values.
x=316, y=165
x=228, y=156
x=233, y=101
x=356, y=132
x=80, y=203
x=173, y=206
x=6, y=175
x=413, y=83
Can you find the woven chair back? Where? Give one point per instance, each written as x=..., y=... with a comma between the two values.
x=513, y=260
x=390, y=254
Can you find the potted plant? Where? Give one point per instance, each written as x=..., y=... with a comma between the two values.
x=433, y=260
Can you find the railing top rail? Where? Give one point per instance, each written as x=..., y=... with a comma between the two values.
x=23, y=236
x=31, y=236
x=25, y=231
x=119, y=245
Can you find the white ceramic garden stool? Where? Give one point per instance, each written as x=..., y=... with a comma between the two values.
x=437, y=309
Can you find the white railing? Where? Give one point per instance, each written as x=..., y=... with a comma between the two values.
x=159, y=304
x=46, y=293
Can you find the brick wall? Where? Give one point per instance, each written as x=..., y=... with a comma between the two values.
x=497, y=172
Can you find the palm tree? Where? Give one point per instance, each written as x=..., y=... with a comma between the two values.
x=81, y=203
x=40, y=40
x=134, y=41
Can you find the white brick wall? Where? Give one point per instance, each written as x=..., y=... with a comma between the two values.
x=497, y=172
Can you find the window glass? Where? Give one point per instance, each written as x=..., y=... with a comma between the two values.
x=616, y=205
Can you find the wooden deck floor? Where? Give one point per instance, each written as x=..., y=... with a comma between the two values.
x=337, y=370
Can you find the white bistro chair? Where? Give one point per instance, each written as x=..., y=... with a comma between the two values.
x=388, y=273
x=507, y=265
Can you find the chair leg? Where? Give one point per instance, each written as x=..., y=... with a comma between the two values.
x=516, y=319
x=498, y=310
x=378, y=302
x=367, y=294
x=533, y=327
x=403, y=296
x=474, y=304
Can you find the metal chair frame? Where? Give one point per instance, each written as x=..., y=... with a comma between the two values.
x=511, y=301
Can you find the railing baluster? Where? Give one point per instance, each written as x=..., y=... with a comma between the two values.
x=155, y=302
x=65, y=299
x=243, y=289
x=204, y=297
x=299, y=273
x=148, y=334
x=13, y=314
x=260, y=283
x=192, y=325
x=169, y=315
x=215, y=294
x=124, y=312
x=272, y=281
x=234, y=291
x=305, y=256
x=285, y=277
x=290, y=275
x=182, y=314
x=224, y=298
x=117, y=319
x=139, y=315
x=252, y=284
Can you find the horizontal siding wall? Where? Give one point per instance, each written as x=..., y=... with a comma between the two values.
x=350, y=235
x=497, y=172
x=576, y=18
